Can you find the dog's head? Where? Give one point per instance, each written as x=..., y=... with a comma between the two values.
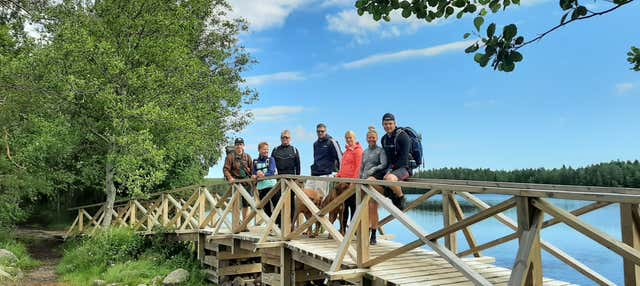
x=315, y=196
x=318, y=200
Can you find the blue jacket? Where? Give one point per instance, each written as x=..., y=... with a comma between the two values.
x=268, y=166
x=327, y=156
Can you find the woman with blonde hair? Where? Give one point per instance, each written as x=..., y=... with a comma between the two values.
x=350, y=168
x=374, y=167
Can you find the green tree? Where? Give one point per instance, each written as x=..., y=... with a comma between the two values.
x=501, y=49
x=137, y=94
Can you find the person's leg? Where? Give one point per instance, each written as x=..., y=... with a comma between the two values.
x=398, y=198
x=274, y=202
x=373, y=215
x=397, y=190
x=267, y=206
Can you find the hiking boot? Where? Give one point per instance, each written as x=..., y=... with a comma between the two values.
x=372, y=239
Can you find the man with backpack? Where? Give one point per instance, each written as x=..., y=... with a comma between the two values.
x=238, y=165
x=397, y=146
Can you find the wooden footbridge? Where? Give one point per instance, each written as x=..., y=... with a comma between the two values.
x=256, y=250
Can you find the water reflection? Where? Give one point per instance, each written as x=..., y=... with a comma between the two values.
x=602, y=260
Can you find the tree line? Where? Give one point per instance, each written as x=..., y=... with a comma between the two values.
x=609, y=174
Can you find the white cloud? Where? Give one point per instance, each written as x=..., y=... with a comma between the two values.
x=362, y=27
x=300, y=134
x=408, y=54
x=265, y=14
x=281, y=76
x=625, y=87
x=275, y=113
x=340, y=3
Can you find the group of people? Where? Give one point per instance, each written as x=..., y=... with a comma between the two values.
x=389, y=162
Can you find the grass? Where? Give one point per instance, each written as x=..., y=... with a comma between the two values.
x=8, y=242
x=121, y=256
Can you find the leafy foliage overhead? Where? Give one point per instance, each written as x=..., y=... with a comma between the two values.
x=500, y=48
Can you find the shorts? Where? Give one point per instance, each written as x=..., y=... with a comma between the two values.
x=248, y=187
x=401, y=173
x=379, y=175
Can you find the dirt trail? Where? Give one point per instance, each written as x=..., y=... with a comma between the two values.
x=45, y=247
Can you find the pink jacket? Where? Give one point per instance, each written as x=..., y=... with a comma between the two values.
x=351, y=162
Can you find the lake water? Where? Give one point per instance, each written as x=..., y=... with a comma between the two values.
x=582, y=248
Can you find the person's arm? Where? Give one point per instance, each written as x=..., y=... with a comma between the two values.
x=254, y=169
x=297, y=171
x=249, y=163
x=271, y=170
x=337, y=152
x=226, y=170
x=404, y=144
x=362, y=170
x=383, y=163
x=358, y=162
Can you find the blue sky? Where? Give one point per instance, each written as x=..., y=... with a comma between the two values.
x=573, y=100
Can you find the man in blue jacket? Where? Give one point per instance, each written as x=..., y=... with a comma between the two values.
x=327, y=157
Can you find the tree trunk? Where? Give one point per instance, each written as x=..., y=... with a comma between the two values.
x=110, y=190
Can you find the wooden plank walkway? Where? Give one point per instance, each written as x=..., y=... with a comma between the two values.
x=416, y=267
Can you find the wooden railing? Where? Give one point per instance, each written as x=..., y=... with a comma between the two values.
x=220, y=213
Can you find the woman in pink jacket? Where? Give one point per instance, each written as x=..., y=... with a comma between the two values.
x=350, y=168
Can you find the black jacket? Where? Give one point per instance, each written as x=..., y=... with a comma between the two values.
x=326, y=156
x=287, y=160
x=397, y=147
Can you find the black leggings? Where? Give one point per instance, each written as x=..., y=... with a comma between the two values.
x=273, y=201
x=349, y=209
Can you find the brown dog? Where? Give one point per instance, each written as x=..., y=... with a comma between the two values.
x=338, y=211
x=301, y=208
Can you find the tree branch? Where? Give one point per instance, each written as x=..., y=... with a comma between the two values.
x=539, y=37
x=15, y=3
x=6, y=144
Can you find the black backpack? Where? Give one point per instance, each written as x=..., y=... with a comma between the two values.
x=415, y=151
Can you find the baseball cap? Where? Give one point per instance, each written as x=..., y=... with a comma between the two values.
x=388, y=117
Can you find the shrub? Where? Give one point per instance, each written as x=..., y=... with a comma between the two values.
x=121, y=256
x=8, y=242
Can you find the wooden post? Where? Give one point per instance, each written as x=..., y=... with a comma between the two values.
x=448, y=215
x=235, y=209
x=80, y=221
x=132, y=217
x=629, y=222
x=286, y=210
x=165, y=210
x=286, y=266
x=202, y=238
x=527, y=269
x=363, y=230
x=201, y=206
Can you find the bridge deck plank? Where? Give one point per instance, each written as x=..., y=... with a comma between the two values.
x=417, y=267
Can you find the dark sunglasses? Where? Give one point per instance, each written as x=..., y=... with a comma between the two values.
x=284, y=137
x=321, y=131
